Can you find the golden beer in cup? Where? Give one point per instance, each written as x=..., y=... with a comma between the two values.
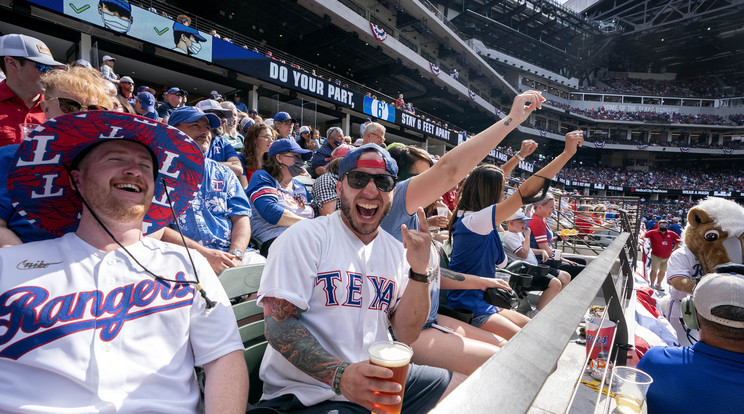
x=395, y=356
x=631, y=385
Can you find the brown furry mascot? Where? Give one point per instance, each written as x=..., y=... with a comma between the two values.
x=714, y=235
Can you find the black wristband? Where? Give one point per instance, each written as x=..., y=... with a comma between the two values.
x=419, y=277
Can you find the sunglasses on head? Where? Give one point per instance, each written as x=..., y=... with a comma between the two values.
x=358, y=180
x=69, y=106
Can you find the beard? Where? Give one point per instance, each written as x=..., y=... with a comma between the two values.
x=106, y=205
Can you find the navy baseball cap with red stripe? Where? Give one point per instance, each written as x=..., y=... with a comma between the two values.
x=351, y=160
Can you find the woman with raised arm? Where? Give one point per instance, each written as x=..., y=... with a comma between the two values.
x=476, y=245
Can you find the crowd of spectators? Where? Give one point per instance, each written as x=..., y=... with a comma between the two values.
x=707, y=86
x=651, y=117
x=658, y=117
x=669, y=178
x=680, y=142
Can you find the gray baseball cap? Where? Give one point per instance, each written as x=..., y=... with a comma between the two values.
x=19, y=45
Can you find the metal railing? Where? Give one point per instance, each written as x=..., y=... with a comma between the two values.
x=575, y=239
x=510, y=381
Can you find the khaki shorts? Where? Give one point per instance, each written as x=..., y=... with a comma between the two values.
x=658, y=263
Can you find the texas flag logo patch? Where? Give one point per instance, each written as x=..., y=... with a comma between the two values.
x=218, y=185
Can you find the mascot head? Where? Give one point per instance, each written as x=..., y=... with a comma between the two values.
x=715, y=232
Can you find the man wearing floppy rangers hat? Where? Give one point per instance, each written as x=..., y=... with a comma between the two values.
x=104, y=318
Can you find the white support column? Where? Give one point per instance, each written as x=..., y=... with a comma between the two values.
x=252, y=98
x=84, y=48
x=346, y=124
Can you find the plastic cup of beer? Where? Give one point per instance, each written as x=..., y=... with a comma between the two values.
x=631, y=385
x=395, y=356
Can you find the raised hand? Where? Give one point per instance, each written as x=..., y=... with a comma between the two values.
x=574, y=139
x=523, y=105
x=417, y=243
x=528, y=147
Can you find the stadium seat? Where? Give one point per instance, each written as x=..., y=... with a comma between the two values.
x=239, y=283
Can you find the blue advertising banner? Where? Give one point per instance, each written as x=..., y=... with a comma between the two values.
x=256, y=65
x=379, y=109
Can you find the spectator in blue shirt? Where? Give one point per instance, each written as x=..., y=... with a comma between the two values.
x=707, y=377
x=278, y=200
x=675, y=226
x=238, y=104
x=144, y=105
x=218, y=222
x=335, y=138
x=220, y=149
x=173, y=100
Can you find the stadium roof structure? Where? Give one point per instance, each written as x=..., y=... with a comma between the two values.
x=682, y=36
x=541, y=32
x=575, y=38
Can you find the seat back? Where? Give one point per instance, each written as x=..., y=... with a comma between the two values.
x=241, y=283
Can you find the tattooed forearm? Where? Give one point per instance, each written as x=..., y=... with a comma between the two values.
x=508, y=121
x=290, y=337
x=452, y=275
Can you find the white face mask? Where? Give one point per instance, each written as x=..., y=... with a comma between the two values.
x=116, y=23
x=195, y=47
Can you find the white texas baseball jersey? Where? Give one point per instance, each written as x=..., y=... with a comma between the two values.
x=346, y=290
x=82, y=330
x=682, y=263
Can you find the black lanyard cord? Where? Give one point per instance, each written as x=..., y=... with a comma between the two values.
x=196, y=283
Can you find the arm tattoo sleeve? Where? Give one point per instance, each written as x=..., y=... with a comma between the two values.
x=449, y=274
x=290, y=337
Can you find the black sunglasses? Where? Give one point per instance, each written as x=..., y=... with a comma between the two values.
x=384, y=182
x=69, y=106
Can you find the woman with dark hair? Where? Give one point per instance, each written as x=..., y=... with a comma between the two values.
x=476, y=245
x=277, y=199
x=258, y=139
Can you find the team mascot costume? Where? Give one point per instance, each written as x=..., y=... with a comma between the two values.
x=714, y=235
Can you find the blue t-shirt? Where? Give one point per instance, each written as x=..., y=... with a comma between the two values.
x=650, y=224
x=269, y=200
x=391, y=224
x=676, y=227
x=398, y=214
x=319, y=157
x=220, y=150
x=26, y=231
x=476, y=251
x=207, y=220
x=697, y=379
x=241, y=106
